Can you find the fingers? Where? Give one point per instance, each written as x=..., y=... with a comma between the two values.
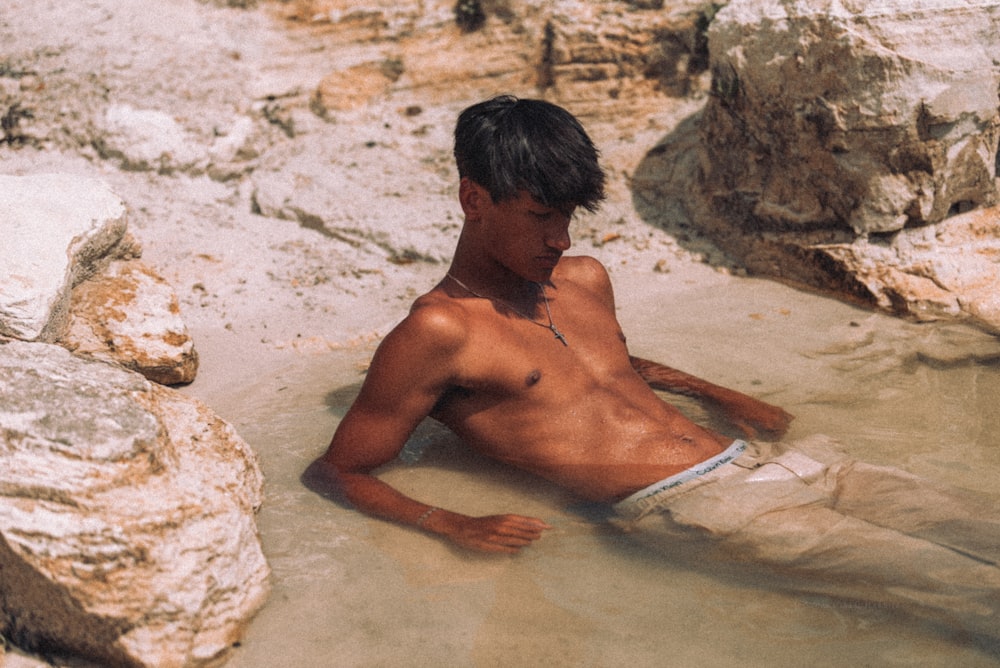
x=520, y=525
x=515, y=532
x=506, y=545
x=748, y=432
x=755, y=416
x=501, y=533
x=779, y=422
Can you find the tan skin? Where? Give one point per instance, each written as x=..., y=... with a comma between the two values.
x=583, y=416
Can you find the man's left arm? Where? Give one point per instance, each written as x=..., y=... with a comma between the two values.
x=750, y=415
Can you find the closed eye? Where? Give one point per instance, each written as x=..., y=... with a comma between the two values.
x=549, y=213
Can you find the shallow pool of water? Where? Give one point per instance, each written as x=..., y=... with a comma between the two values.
x=352, y=591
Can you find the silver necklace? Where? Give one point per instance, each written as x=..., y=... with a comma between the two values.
x=545, y=300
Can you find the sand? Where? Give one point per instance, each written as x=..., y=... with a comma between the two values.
x=285, y=318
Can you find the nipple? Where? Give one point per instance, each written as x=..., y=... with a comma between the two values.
x=533, y=378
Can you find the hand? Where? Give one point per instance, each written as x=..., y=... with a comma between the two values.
x=493, y=533
x=752, y=416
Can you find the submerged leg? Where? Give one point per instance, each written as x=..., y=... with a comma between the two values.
x=822, y=550
x=853, y=531
x=958, y=519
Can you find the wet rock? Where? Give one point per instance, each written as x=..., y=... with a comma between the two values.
x=127, y=516
x=129, y=315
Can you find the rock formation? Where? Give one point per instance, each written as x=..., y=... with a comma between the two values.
x=70, y=274
x=845, y=143
x=58, y=229
x=127, y=528
x=129, y=315
x=580, y=52
x=127, y=511
x=601, y=59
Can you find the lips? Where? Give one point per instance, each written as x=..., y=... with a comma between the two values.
x=549, y=261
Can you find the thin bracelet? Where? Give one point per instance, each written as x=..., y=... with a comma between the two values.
x=427, y=513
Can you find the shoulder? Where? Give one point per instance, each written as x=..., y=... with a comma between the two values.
x=585, y=270
x=434, y=319
x=420, y=357
x=588, y=274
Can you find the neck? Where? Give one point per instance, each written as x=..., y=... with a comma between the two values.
x=486, y=276
x=551, y=326
x=524, y=296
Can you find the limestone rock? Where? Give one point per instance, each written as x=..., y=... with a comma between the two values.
x=594, y=57
x=948, y=270
x=148, y=140
x=852, y=147
x=129, y=315
x=11, y=658
x=609, y=51
x=353, y=87
x=849, y=115
x=127, y=527
x=70, y=274
x=57, y=229
x=231, y=154
x=587, y=53
x=296, y=183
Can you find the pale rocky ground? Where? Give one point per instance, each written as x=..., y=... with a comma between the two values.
x=268, y=283
x=285, y=316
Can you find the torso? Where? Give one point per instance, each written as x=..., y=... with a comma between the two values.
x=578, y=415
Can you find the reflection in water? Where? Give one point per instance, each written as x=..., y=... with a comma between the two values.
x=350, y=591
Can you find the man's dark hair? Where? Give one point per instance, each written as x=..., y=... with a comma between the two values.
x=507, y=144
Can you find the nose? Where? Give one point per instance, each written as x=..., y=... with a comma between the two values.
x=558, y=237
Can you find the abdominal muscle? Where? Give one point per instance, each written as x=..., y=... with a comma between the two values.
x=602, y=448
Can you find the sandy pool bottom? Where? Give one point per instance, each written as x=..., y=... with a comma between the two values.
x=351, y=591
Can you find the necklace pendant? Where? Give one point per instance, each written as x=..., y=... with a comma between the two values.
x=559, y=335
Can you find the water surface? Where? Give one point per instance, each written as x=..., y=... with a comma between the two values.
x=352, y=591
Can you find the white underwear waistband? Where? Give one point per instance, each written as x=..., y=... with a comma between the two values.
x=701, y=468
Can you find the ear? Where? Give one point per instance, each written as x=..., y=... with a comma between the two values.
x=473, y=198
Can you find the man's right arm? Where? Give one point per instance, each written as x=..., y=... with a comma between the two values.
x=412, y=368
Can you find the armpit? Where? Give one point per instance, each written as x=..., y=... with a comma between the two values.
x=443, y=401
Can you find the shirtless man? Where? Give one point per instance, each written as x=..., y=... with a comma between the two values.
x=518, y=349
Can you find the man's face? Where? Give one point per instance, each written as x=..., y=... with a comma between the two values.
x=526, y=236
